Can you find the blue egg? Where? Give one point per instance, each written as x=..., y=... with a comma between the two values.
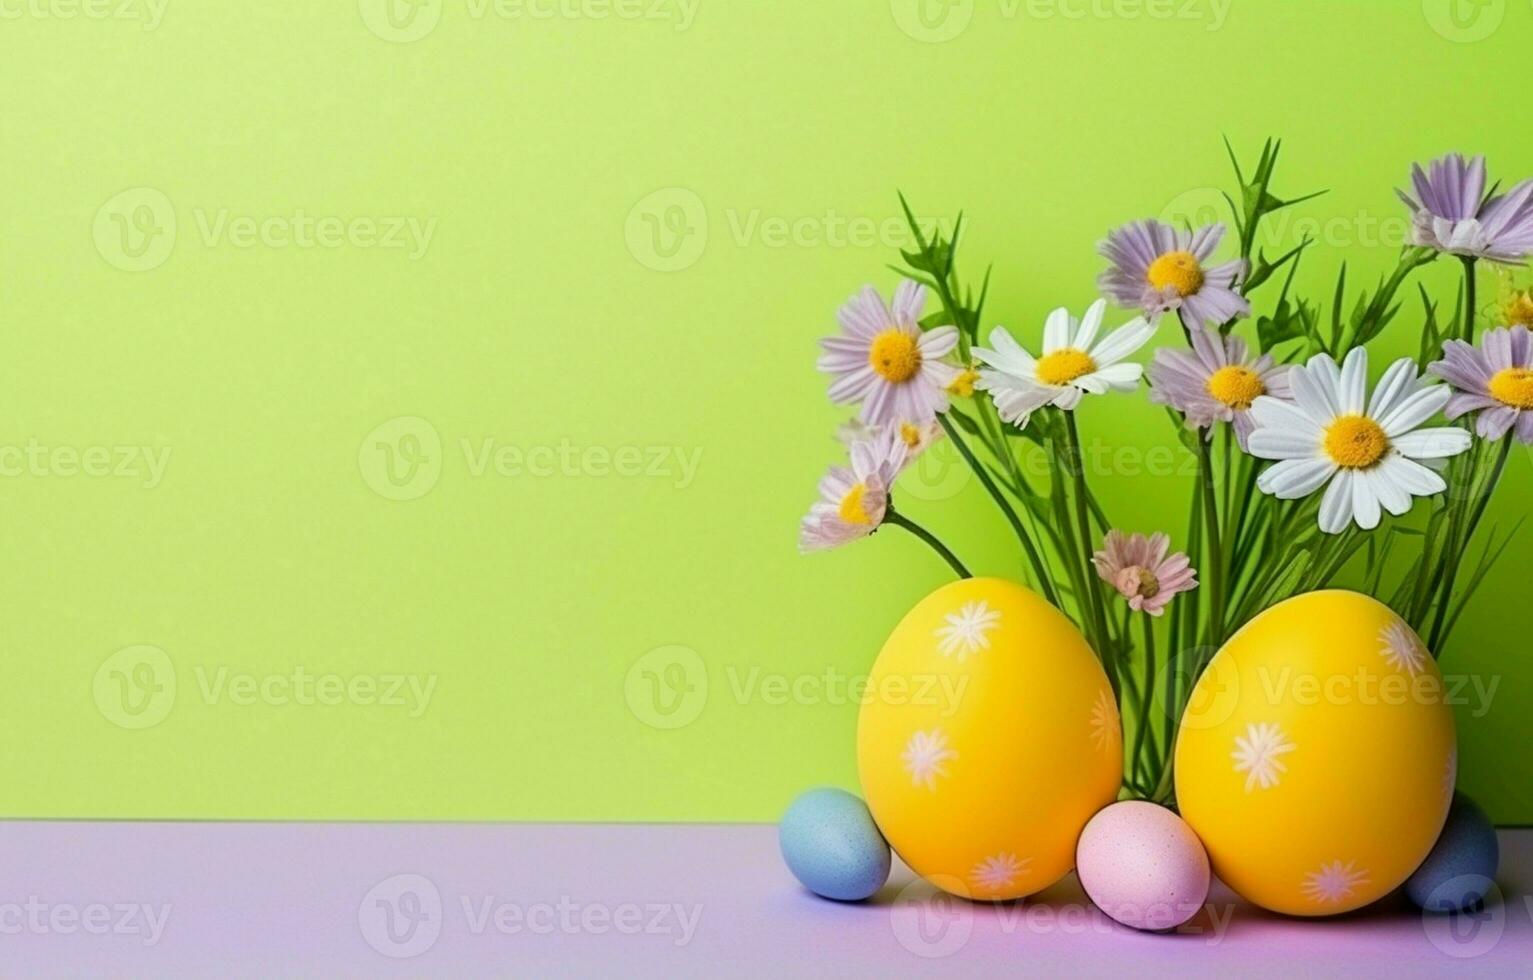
x=1462, y=866
x=831, y=844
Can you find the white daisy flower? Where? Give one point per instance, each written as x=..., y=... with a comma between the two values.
x=886, y=361
x=1256, y=754
x=1104, y=721
x=1074, y=363
x=1334, y=882
x=1402, y=648
x=853, y=499
x=966, y=630
x=996, y=873
x=1367, y=449
x=926, y=756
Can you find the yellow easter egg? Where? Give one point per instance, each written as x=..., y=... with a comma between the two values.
x=988, y=736
x=1316, y=757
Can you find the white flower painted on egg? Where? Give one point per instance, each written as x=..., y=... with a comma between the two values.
x=997, y=872
x=1104, y=721
x=1257, y=754
x=967, y=630
x=1334, y=882
x=1402, y=648
x=926, y=756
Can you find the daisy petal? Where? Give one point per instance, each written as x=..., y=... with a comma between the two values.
x=1412, y=477
x=1396, y=383
x=1336, y=505
x=1056, y=331
x=1295, y=478
x=1395, y=498
x=1353, y=385
x=1283, y=443
x=1122, y=342
x=1365, y=503
x=1090, y=324
x=1415, y=409
x=1432, y=443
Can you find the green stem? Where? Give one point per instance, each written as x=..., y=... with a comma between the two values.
x=1093, y=597
x=900, y=520
x=1480, y=502
x=1149, y=687
x=1214, y=573
x=1044, y=581
x=1469, y=299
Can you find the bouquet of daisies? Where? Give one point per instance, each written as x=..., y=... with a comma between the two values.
x=1299, y=455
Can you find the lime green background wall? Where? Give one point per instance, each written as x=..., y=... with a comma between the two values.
x=462, y=229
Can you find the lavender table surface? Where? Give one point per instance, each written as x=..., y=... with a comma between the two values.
x=81, y=899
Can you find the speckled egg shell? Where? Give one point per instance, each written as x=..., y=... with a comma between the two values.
x=1142, y=865
x=832, y=846
x=1462, y=866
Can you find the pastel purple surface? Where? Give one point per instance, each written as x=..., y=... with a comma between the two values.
x=478, y=900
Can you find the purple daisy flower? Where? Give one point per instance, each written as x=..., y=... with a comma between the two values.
x=1157, y=268
x=1451, y=213
x=1217, y=381
x=886, y=361
x=1494, y=379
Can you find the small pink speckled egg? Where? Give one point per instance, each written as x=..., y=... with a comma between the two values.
x=1142, y=865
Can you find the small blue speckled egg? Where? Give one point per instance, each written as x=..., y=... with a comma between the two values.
x=831, y=844
x=1462, y=865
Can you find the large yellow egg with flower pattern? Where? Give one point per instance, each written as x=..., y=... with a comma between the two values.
x=1316, y=756
x=988, y=737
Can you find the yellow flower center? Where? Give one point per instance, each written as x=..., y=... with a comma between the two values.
x=895, y=355
x=911, y=433
x=963, y=385
x=852, y=509
x=1514, y=387
x=1355, y=442
x=1137, y=580
x=1518, y=309
x=1236, y=386
x=1179, y=270
x=1064, y=366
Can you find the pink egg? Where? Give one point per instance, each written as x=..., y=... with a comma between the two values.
x=1142, y=865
